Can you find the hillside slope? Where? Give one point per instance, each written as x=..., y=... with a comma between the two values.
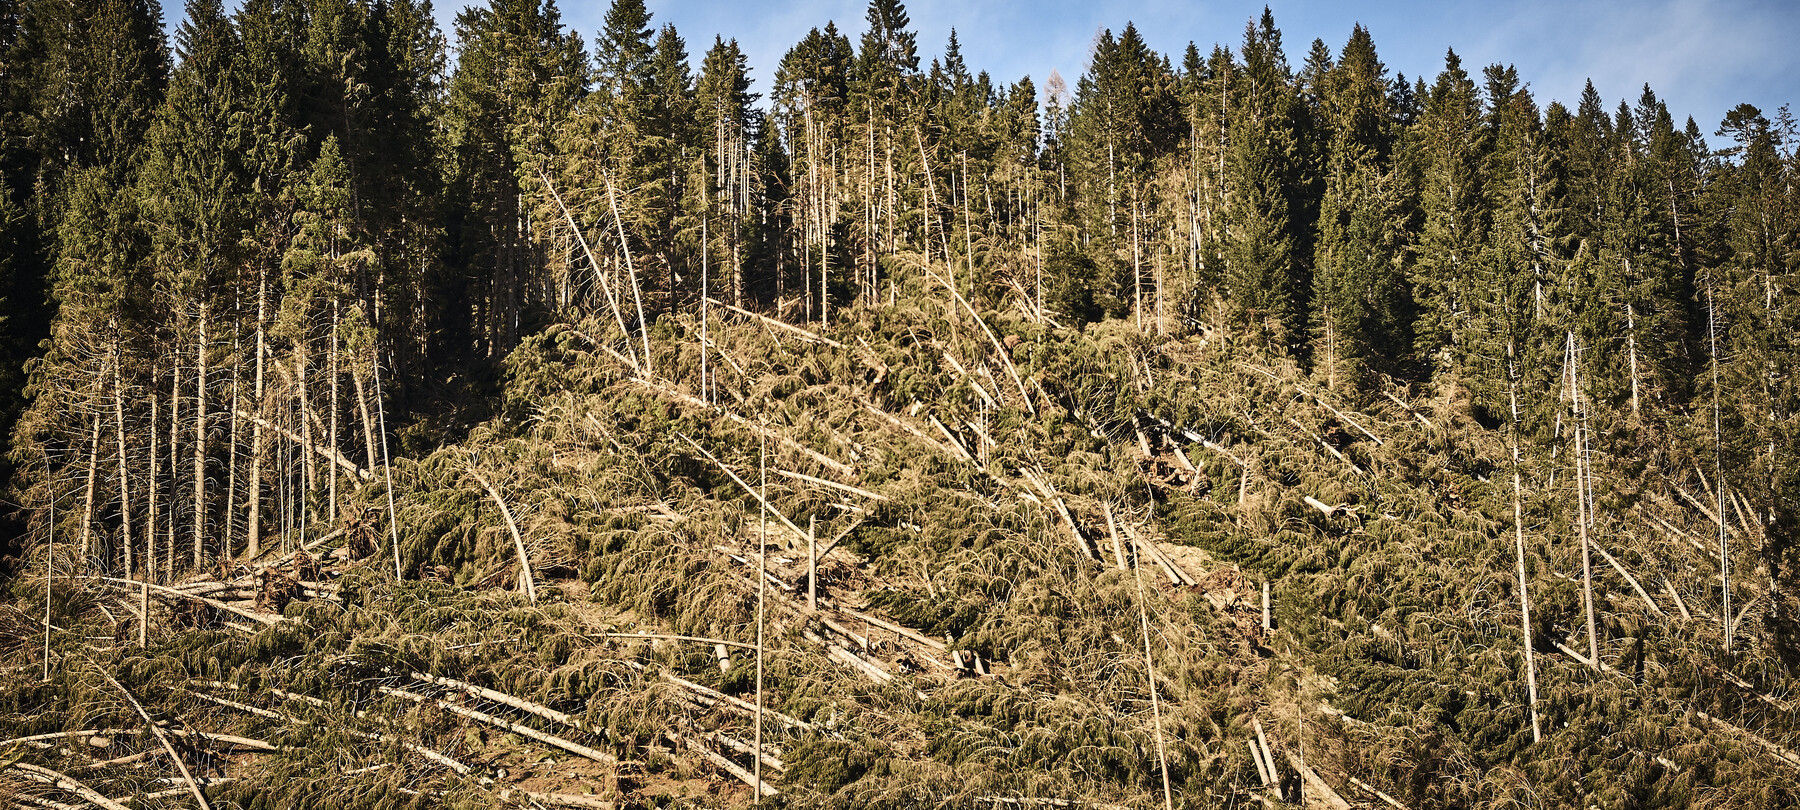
x=1042, y=555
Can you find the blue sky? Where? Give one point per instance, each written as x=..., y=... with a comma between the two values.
x=1701, y=56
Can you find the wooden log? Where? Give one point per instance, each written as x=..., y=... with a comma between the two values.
x=1262, y=771
x=1267, y=755
x=1409, y=409
x=161, y=736
x=798, y=532
x=167, y=591
x=1782, y=753
x=326, y=453
x=899, y=629
x=503, y=723
x=1389, y=800
x=999, y=348
x=1312, y=778
x=823, y=460
x=1041, y=480
x=779, y=324
x=743, y=705
x=503, y=699
x=762, y=788
x=63, y=781
x=1112, y=530
x=832, y=484
x=1654, y=608
x=1679, y=605
x=599, y=276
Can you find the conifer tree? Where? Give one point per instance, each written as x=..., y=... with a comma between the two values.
x=1359, y=292
x=1265, y=168
x=1450, y=147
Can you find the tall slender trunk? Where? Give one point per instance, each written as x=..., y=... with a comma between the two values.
x=1712, y=336
x=152, y=494
x=87, y=503
x=253, y=495
x=200, y=441
x=332, y=430
x=171, y=525
x=1512, y=396
x=124, y=469
x=1582, y=501
x=309, y=481
x=233, y=437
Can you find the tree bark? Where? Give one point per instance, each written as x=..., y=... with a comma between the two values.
x=200, y=441
x=253, y=496
x=124, y=468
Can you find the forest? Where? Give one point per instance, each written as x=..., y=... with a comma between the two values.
x=397, y=417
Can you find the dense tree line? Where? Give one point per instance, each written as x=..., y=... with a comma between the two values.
x=239, y=262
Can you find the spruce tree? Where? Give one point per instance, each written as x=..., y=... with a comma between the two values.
x=1450, y=147
x=1359, y=293
x=1265, y=169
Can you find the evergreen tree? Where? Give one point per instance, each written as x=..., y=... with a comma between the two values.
x=1451, y=145
x=1359, y=293
x=1265, y=169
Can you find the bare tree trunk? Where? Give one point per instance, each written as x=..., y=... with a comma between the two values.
x=200, y=441
x=333, y=429
x=1582, y=505
x=309, y=480
x=152, y=495
x=1712, y=335
x=87, y=503
x=124, y=470
x=368, y=420
x=231, y=443
x=253, y=497
x=171, y=525
x=1519, y=546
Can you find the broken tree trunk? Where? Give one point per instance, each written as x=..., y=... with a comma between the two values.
x=503, y=723
x=525, y=572
x=328, y=453
x=63, y=781
x=161, y=736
